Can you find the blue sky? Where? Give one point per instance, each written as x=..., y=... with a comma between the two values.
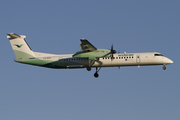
x=145, y=93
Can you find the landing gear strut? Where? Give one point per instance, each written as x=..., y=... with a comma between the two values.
x=164, y=67
x=96, y=73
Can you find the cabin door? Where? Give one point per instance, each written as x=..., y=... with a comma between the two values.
x=137, y=58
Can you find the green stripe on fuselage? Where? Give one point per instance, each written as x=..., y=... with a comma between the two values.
x=57, y=63
x=20, y=54
x=25, y=58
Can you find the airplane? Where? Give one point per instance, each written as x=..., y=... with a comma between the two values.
x=88, y=57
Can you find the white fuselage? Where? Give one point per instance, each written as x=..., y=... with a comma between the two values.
x=121, y=59
x=134, y=59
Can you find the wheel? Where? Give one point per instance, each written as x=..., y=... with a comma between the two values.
x=96, y=75
x=88, y=68
x=164, y=68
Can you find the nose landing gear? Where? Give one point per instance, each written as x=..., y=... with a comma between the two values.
x=96, y=75
x=164, y=67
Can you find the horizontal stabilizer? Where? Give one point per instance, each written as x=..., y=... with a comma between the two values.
x=12, y=36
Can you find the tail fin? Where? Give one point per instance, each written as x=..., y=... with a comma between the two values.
x=20, y=47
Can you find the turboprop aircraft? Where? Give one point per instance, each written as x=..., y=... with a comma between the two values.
x=89, y=57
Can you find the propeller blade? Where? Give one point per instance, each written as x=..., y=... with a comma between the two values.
x=112, y=52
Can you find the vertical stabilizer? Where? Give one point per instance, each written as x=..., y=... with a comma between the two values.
x=20, y=47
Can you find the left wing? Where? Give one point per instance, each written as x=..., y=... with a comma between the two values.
x=87, y=46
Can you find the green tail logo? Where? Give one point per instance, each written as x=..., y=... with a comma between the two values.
x=19, y=46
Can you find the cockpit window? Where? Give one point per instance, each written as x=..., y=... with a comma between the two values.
x=158, y=55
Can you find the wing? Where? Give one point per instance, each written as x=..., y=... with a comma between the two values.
x=87, y=46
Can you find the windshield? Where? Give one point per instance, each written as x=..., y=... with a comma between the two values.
x=158, y=55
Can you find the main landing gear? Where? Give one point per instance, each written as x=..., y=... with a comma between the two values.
x=88, y=68
x=96, y=73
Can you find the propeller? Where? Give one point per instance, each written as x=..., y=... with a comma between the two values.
x=112, y=52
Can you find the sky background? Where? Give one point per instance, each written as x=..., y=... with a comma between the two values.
x=55, y=26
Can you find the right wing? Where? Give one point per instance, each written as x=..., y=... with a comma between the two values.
x=87, y=46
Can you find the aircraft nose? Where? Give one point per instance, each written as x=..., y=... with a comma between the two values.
x=168, y=61
x=171, y=62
